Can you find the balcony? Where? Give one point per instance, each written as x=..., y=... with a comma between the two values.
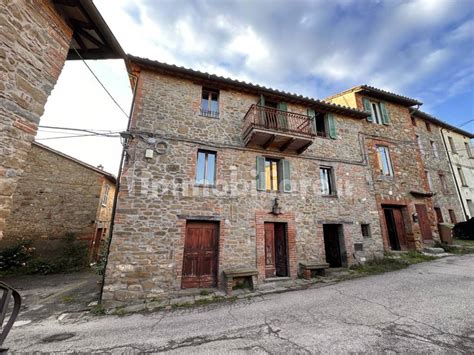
x=270, y=128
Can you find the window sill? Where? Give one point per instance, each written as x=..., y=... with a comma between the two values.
x=464, y=185
x=210, y=116
x=205, y=186
x=330, y=196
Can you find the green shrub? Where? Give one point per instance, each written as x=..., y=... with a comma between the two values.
x=16, y=256
x=20, y=258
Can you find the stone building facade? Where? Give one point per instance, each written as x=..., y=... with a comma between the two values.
x=56, y=195
x=186, y=124
x=397, y=161
x=438, y=169
x=36, y=38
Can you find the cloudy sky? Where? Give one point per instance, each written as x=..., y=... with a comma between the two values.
x=420, y=48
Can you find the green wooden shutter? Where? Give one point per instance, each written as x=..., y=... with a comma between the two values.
x=331, y=126
x=282, y=119
x=385, y=114
x=261, y=174
x=312, y=114
x=368, y=109
x=285, y=175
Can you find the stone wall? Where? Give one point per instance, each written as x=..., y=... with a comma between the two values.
x=34, y=42
x=436, y=163
x=158, y=195
x=400, y=137
x=55, y=196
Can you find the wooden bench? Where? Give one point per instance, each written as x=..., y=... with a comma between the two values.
x=231, y=274
x=307, y=269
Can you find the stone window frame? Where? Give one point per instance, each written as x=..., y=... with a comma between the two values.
x=387, y=155
x=206, y=152
x=331, y=179
x=367, y=233
x=207, y=112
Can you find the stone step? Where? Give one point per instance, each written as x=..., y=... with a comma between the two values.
x=433, y=250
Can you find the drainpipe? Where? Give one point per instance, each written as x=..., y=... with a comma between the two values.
x=117, y=183
x=454, y=176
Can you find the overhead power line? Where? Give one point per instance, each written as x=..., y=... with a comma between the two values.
x=101, y=84
x=116, y=135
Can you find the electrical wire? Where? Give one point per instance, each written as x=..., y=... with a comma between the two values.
x=101, y=84
x=82, y=135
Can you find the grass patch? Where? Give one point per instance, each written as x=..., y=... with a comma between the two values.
x=68, y=299
x=415, y=257
x=391, y=263
x=464, y=242
x=98, y=310
x=380, y=265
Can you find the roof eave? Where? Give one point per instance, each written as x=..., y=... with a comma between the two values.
x=242, y=86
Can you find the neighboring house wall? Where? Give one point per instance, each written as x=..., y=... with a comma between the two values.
x=460, y=159
x=57, y=195
x=408, y=173
x=34, y=42
x=158, y=195
x=436, y=163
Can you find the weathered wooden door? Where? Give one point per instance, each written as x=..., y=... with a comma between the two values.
x=269, y=229
x=200, y=255
x=395, y=228
x=94, y=248
x=424, y=222
x=281, y=265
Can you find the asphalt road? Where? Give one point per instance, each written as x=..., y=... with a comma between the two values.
x=428, y=307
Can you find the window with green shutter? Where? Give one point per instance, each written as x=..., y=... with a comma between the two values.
x=331, y=126
x=322, y=124
x=273, y=174
x=378, y=112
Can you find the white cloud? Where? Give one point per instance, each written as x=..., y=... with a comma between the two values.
x=420, y=48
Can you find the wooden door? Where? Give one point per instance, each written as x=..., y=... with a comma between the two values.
x=424, y=222
x=400, y=227
x=200, y=255
x=270, y=269
x=281, y=265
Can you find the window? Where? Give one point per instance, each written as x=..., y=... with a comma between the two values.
x=418, y=141
x=428, y=179
x=413, y=121
x=385, y=163
x=468, y=149
x=451, y=144
x=206, y=168
x=428, y=126
x=324, y=125
x=105, y=197
x=376, y=111
x=434, y=148
x=273, y=174
x=328, y=187
x=365, y=229
x=376, y=114
x=439, y=215
x=444, y=185
x=321, y=125
x=461, y=177
x=210, y=103
x=452, y=216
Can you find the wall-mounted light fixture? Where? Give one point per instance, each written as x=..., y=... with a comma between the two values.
x=276, y=209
